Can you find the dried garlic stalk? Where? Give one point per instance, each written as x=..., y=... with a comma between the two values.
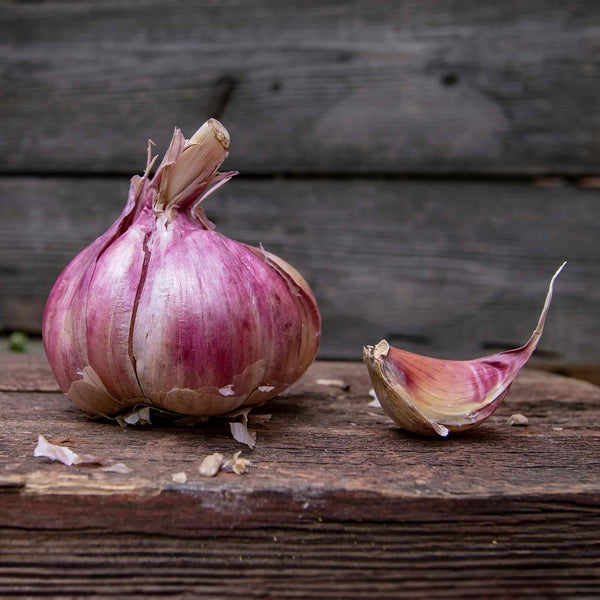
x=236, y=464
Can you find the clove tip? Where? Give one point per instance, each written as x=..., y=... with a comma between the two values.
x=374, y=353
x=382, y=349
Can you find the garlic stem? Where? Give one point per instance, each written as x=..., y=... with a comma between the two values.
x=209, y=130
x=195, y=168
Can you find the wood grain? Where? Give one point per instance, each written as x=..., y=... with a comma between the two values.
x=452, y=268
x=337, y=503
x=584, y=371
x=304, y=86
x=26, y=373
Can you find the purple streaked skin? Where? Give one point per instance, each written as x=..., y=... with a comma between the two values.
x=64, y=323
x=466, y=392
x=162, y=310
x=211, y=308
x=433, y=396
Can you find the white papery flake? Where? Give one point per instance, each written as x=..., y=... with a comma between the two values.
x=62, y=454
x=239, y=429
x=227, y=390
x=241, y=434
x=375, y=402
x=180, y=477
x=137, y=416
x=141, y=416
x=45, y=449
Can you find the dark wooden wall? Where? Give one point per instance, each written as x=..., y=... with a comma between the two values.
x=426, y=164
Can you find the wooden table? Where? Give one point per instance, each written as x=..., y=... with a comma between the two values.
x=338, y=502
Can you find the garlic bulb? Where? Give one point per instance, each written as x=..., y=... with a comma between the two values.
x=432, y=396
x=163, y=310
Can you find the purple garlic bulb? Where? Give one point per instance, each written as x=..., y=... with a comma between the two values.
x=163, y=310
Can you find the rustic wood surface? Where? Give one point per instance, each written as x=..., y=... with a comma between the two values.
x=450, y=268
x=586, y=372
x=304, y=86
x=337, y=503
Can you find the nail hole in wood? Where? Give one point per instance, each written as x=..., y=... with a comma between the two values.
x=344, y=57
x=450, y=79
x=221, y=97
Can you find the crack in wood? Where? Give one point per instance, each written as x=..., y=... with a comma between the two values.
x=50, y=483
x=221, y=97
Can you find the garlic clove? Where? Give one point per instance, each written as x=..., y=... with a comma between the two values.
x=109, y=318
x=65, y=312
x=186, y=271
x=306, y=304
x=432, y=396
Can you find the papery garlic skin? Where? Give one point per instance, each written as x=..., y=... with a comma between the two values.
x=431, y=396
x=162, y=310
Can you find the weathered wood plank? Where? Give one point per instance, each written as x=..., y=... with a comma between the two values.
x=26, y=373
x=508, y=555
x=318, y=86
x=320, y=440
x=446, y=267
x=338, y=502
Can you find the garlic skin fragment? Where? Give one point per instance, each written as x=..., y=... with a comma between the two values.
x=179, y=477
x=432, y=397
x=162, y=310
x=211, y=464
x=45, y=449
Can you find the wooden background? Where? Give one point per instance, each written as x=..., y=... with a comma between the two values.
x=426, y=164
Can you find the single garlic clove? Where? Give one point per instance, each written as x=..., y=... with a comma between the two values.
x=65, y=312
x=431, y=396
